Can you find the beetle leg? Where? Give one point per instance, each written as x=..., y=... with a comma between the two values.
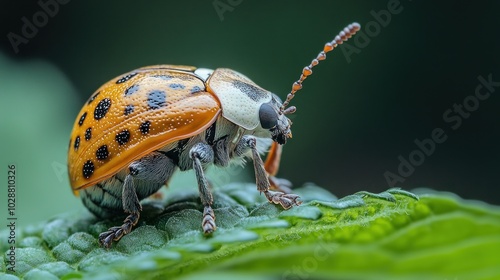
x=261, y=175
x=131, y=205
x=152, y=170
x=201, y=154
x=272, y=165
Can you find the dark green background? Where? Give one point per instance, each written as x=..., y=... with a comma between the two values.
x=354, y=118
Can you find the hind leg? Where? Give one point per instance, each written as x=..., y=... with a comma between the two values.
x=155, y=169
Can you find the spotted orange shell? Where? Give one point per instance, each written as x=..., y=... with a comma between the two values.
x=135, y=114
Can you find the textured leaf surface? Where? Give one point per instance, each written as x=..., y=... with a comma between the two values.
x=392, y=235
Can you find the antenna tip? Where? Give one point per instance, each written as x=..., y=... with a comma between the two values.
x=343, y=36
x=355, y=26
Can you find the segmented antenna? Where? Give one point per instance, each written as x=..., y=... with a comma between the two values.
x=345, y=34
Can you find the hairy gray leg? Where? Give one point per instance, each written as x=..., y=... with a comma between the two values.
x=261, y=178
x=202, y=154
x=155, y=168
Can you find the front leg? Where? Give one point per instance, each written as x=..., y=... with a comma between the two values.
x=261, y=177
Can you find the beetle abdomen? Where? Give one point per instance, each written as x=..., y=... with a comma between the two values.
x=104, y=199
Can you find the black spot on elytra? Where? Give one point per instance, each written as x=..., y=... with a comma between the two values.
x=77, y=143
x=93, y=97
x=176, y=86
x=82, y=118
x=88, y=169
x=156, y=99
x=144, y=127
x=102, y=152
x=102, y=108
x=126, y=78
x=195, y=89
x=129, y=109
x=131, y=90
x=88, y=133
x=255, y=93
x=123, y=137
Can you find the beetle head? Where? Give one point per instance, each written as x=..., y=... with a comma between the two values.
x=272, y=119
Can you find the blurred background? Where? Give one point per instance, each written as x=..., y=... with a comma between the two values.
x=409, y=73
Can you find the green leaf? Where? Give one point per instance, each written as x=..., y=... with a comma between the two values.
x=391, y=235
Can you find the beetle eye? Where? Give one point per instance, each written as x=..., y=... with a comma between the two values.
x=268, y=116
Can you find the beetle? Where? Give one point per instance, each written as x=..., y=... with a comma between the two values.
x=138, y=128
